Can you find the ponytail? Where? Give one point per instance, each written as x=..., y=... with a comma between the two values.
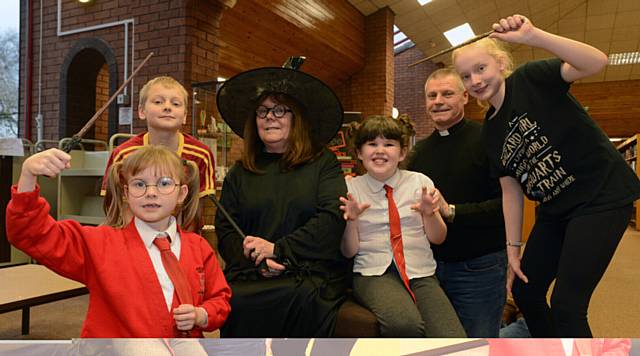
x=115, y=204
x=187, y=212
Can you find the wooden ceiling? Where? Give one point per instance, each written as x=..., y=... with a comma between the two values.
x=610, y=25
x=256, y=34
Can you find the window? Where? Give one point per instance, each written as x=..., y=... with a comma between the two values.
x=9, y=61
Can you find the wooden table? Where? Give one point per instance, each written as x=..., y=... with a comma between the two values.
x=29, y=285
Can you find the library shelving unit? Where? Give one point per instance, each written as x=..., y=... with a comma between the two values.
x=79, y=187
x=629, y=151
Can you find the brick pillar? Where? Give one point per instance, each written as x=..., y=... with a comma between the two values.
x=202, y=47
x=371, y=90
x=202, y=52
x=409, y=89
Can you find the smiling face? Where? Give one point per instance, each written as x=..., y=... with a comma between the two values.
x=481, y=73
x=154, y=207
x=164, y=108
x=274, y=131
x=381, y=157
x=445, y=101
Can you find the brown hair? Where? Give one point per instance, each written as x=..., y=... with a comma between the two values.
x=399, y=129
x=300, y=148
x=167, y=82
x=164, y=161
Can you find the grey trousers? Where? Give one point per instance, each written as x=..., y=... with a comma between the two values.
x=386, y=296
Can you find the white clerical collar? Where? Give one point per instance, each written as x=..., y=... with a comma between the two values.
x=148, y=234
x=443, y=132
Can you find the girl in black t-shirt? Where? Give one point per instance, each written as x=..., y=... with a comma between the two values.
x=544, y=145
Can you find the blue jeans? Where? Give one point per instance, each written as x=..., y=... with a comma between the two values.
x=476, y=288
x=516, y=330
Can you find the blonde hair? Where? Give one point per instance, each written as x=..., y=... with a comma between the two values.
x=163, y=161
x=495, y=48
x=167, y=82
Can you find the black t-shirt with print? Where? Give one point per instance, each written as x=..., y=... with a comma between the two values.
x=543, y=138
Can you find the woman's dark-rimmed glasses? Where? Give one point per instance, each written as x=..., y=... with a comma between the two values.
x=164, y=186
x=278, y=111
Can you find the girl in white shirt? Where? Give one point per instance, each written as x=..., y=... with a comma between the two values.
x=399, y=288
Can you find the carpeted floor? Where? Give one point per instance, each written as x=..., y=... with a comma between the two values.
x=614, y=309
x=615, y=306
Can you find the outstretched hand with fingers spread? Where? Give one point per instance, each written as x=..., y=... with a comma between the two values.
x=352, y=208
x=429, y=202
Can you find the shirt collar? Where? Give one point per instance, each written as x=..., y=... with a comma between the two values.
x=148, y=234
x=376, y=185
x=451, y=130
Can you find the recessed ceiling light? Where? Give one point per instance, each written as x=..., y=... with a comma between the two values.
x=459, y=34
x=617, y=59
x=422, y=2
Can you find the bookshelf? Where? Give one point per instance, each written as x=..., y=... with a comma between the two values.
x=340, y=145
x=79, y=187
x=629, y=151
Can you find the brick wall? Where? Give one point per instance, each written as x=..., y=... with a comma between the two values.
x=182, y=34
x=102, y=95
x=370, y=91
x=409, y=94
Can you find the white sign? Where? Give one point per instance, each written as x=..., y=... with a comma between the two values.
x=11, y=146
x=125, y=115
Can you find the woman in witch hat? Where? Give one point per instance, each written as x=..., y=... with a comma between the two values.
x=287, y=275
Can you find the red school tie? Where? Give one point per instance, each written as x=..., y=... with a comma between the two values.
x=171, y=265
x=396, y=239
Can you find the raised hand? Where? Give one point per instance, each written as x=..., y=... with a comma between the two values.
x=46, y=163
x=515, y=29
x=443, y=205
x=352, y=209
x=428, y=203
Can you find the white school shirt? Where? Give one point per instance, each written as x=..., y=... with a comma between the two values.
x=375, y=253
x=148, y=234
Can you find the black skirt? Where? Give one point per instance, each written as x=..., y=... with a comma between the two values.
x=292, y=305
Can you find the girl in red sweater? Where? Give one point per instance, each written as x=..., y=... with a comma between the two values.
x=135, y=291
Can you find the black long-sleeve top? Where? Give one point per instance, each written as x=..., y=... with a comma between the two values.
x=296, y=209
x=458, y=165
